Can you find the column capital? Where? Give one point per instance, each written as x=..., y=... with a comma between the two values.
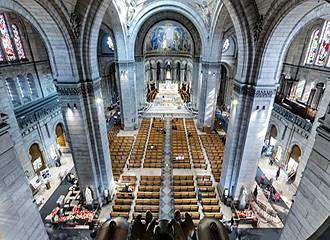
x=265, y=91
x=77, y=89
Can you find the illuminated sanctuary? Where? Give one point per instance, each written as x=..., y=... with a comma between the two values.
x=156, y=120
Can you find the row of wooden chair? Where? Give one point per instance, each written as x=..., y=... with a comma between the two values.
x=197, y=156
x=180, y=151
x=184, y=194
x=214, y=148
x=154, y=153
x=148, y=196
x=124, y=199
x=139, y=145
x=120, y=147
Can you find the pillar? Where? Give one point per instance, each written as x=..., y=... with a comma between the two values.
x=311, y=139
x=140, y=83
x=20, y=218
x=195, y=84
x=249, y=119
x=129, y=113
x=311, y=206
x=208, y=96
x=83, y=113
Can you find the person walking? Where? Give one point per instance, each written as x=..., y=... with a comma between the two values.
x=278, y=172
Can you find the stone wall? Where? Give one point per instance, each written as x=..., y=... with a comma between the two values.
x=20, y=218
x=311, y=206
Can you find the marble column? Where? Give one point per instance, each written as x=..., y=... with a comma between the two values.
x=249, y=119
x=208, y=96
x=20, y=218
x=129, y=113
x=83, y=113
x=140, y=85
x=311, y=207
x=195, y=84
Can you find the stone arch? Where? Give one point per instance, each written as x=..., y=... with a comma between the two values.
x=167, y=10
x=244, y=36
x=99, y=11
x=54, y=34
x=276, y=39
x=60, y=134
x=37, y=157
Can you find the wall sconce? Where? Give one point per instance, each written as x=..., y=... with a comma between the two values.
x=235, y=102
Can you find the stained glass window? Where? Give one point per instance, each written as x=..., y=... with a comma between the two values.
x=18, y=42
x=110, y=43
x=313, y=47
x=226, y=45
x=325, y=45
x=5, y=38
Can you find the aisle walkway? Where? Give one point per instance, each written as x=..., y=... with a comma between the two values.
x=166, y=196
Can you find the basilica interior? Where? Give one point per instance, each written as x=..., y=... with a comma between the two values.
x=145, y=119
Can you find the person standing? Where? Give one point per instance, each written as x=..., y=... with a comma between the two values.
x=278, y=172
x=255, y=192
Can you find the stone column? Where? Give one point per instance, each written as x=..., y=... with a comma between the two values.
x=140, y=85
x=311, y=139
x=83, y=113
x=20, y=218
x=195, y=84
x=311, y=206
x=249, y=119
x=209, y=93
x=129, y=114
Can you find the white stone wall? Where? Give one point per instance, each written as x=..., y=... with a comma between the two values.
x=20, y=218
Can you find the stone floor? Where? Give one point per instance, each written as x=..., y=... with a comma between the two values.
x=67, y=165
x=286, y=190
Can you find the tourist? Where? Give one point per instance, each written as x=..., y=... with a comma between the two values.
x=255, y=192
x=278, y=172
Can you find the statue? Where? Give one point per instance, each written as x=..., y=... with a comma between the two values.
x=205, y=6
x=88, y=196
x=243, y=198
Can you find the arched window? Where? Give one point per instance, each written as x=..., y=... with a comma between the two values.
x=11, y=44
x=158, y=71
x=5, y=39
x=18, y=42
x=226, y=45
x=313, y=47
x=24, y=88
x=178, y=72
x=318, y=50
x=32, y=86
x=13, y=92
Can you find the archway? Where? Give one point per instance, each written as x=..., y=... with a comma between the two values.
x=294, y=158
x=273, y=135
x=60, y=136
x=37, y=158
x=168, y=47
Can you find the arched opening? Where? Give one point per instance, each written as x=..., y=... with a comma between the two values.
x=169, y=42
x=278, y=153
x=37, y=158
x=293, y=159
x=273, y=136
x=60, y=136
